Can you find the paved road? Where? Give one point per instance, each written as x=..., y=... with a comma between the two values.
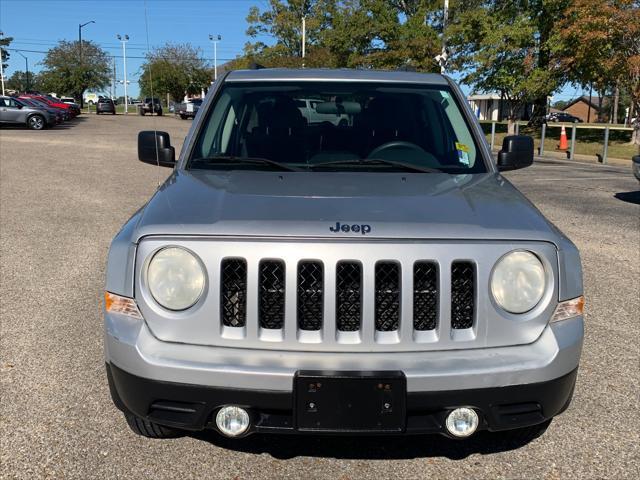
x=64, y=193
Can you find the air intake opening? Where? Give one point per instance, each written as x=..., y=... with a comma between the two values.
x=462, y=294
x=310, y=295
x=348, y=296
x=233, y=286
x=425, y=295
x=271, y=290
x=387, y=296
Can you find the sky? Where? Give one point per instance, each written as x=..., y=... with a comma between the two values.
x=37, y=25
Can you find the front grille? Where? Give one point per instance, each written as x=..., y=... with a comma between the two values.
x=387, y=276
x=271, y=290
x=310, y=295
x=425, y=295
x=462, y=294
x=233, y=293
x=348, y=296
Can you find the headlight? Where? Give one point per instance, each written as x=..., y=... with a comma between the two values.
x=175, y=278
x=518, y=281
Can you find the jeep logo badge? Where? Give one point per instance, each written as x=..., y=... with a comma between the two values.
x=355, y=228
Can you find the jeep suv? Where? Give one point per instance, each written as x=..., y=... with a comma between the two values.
x=151, y=105
x=377, y=275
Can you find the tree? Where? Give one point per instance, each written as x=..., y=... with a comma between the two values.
x=560, y=104
x=65, y=73
x=599, y=46
x=4, y=54
x=497, y=45
x=174, y=69
x=347, y=33
x=20, y=82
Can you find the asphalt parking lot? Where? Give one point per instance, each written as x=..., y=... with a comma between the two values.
x=64, y=193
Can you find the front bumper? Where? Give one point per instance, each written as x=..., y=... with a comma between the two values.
x=193, y=407
x=147, y=374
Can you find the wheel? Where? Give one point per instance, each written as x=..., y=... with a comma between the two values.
x=524, y=435
x=183, y=117
x=149, y=429
x=97, y=113
x=159, y=113
x=36, y=122
x=113, y=113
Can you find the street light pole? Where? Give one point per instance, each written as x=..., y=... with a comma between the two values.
x=26, y=61
x=80, y=25
x=215, y=39
x=124, y=41
x=445, y=18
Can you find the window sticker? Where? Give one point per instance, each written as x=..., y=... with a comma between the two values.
x=463, y=153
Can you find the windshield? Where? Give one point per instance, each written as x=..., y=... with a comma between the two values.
x=337, y=126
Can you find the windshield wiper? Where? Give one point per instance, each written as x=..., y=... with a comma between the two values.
x=378, y=161
x=246, y=160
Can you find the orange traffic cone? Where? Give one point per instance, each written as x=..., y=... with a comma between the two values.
x=563, y=139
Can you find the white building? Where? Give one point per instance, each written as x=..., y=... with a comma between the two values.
x=487, y=106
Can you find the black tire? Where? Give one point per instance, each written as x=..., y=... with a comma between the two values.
x=183, y=117
x=36, y=122
x=149, y=429
x=113, y=113
x=159, y=113
x=97, y=113
x=524, y=435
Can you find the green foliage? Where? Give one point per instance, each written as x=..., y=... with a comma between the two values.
x=503, y=46
x=19, y=82
x=344, y=33
x=176, y=69
x=4, y=54
x=66, y=72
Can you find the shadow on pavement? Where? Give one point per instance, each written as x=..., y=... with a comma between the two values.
x=363, y=447
x=629, y=197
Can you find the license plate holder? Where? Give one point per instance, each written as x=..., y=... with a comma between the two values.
x=350, y=401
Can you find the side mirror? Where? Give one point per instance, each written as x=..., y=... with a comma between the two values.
x=155, y=148
x=517, y=152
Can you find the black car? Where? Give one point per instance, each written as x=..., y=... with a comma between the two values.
x=563, y=117
x=189, y=109
x=151, y=105
x=105, y=105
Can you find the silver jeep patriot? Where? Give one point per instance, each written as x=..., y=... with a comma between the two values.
x=372, y=274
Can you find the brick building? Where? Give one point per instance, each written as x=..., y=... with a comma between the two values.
x=586, y=109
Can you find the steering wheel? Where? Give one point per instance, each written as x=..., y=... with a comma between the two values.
x=399, y=147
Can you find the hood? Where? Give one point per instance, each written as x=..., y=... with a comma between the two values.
x=342, y=205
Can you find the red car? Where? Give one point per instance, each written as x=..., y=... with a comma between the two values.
x=54, y=102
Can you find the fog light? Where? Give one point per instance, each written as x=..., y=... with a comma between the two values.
x=232, y=421
x=462, y=422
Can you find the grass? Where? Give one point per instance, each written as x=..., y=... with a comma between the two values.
x=588, y=141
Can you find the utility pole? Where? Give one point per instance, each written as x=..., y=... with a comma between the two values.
x=80, y=25
x=1, y=67
x=215, y=39
x=26, y=61
x=113, y=83
x=443, y=55
x=304, y=37
x=124, y=41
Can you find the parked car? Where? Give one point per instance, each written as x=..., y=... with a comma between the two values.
x=317, y=110
x=51, y=101
x=189, y=109
x=563, y=117
x=380, y=277
x=105, y=105
x=635, y=162
x=69, y=100
x=13, y=111
x=151, y=105
x=59, y=113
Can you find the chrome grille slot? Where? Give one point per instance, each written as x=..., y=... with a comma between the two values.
x=462, y=294
x=387, y=278
x=348, y=296
x=425, y=295
x=310, y=295
x=233, y=285
x=271, y=290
